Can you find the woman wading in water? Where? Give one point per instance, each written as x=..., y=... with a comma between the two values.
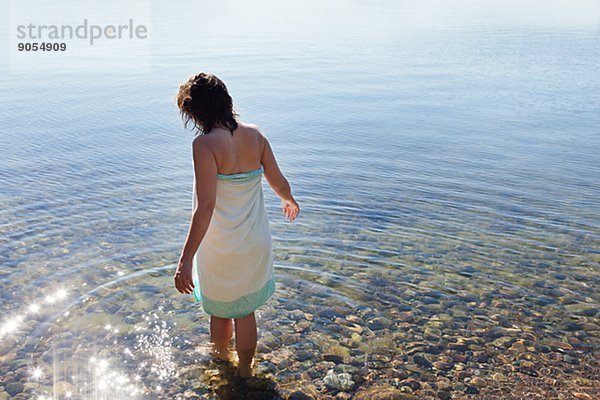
x=227, y=259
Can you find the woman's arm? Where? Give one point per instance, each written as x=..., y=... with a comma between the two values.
x=205, y=171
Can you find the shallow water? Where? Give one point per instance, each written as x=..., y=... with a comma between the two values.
x=445, y=158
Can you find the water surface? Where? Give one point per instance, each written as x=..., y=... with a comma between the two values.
x=445, y=156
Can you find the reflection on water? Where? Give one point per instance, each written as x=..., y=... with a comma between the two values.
x=446, y=162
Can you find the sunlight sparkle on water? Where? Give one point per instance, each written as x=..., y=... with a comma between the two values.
x=37, y=373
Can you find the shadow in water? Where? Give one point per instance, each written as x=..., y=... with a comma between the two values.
x=231, y=386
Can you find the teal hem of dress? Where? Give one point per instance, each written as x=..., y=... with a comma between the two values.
x=242, y=176
x=237, y=308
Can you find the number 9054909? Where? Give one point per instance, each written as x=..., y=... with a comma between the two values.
x=44, y=46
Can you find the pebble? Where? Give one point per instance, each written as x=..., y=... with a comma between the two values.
x=500, y=377
x=479, y=382
x=471, y=390
x=381, y=393
x=341, y=381
x=14, y=388
x=444, y=394
x=518, y=346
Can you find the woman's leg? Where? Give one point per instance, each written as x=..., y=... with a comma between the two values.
x=221, y=331
x=245, y=343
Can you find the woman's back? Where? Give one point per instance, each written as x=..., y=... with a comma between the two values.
x=246, y=150
x=240, y=152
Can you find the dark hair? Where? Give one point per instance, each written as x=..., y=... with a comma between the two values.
x=205, y=101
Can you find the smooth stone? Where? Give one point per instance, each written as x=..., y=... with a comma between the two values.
x=62, y=387
x=303, y=355
x=444, y=394
x=500, y=377
x=443, y=366
x=299, y=395
x=479, y=382
x=382, y=393
x=14, y=388
x=582, y=396
x=333, y=358
x=471, y=390
x=406, y=389
x=413, y=384
x=341, y=381
x=518, y=346
x=422, y=361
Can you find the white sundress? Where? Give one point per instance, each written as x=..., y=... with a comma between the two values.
x=233, y=271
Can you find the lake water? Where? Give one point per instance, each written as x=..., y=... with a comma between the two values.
x=446, y=159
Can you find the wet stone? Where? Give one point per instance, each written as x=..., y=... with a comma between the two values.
x=342, y=381
x=303, y=355
x=479, y=382
x=444, y=394
x=14, y=388
x=333, y=358
x=380, y=393
x=413, y=384
x=421, y=361
x=471, y=390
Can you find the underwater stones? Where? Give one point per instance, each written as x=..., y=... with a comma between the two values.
x=62, y=387
x=503, y=342
x=459, y=346
x=281, y=356
x=478, y=381
x=499, y=377
x=342, y=381
x=466, y=271
x=13, y=388
x=590, y=327
x=443, y=383
x=422, y=361
x=302, y=326
x=333, y=358
x=411, y=383
x=471, y=390
x=582, y=309
x=299, y=395
x=379, y=323
x=481, y=357
x=383, y=344
x=443, y=365
x=518, y=346
x=582, y=396
x=295, y=315
x=381, y=393
x=266, y=367
x=405, y=316
x=444, y=394
x=559, y=345
x=303, y=355
x=432, y=333
x=406, y=389
x=378, y=361
x=342, y=352
x=329, y=313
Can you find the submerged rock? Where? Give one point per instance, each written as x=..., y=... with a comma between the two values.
x=342, y=381
x=382, y=393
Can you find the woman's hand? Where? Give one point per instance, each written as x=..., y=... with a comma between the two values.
x=290, y=208
x=183, y=277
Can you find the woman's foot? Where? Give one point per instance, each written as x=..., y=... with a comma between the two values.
x=221, y=353
x=244, y=371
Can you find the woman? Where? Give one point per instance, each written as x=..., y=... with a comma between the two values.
x=227, y=259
